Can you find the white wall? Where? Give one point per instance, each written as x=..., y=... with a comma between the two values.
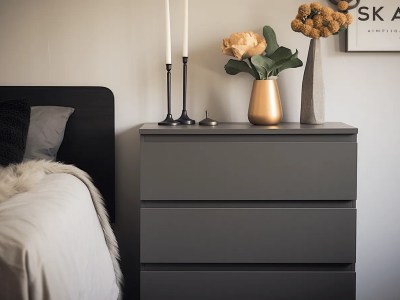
x=120, y=44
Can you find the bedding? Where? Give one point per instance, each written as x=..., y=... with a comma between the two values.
x=55, y=239
x=14, y=122
x=46, y=131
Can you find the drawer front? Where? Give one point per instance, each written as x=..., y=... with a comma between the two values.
x=248, y=170
x=244, y=235
x=221, y=285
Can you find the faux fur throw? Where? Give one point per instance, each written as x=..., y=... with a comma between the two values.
x=19, y=178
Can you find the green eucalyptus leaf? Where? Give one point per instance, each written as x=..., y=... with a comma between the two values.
x=270, y=37
x=234, y=67
x=257, y=75
x=263, y=65
x=281, y=53
x=276, y=65
x=293, y=62
x=295, y=55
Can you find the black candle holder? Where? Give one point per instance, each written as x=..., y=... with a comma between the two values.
x=169, y=120
x=184, y=118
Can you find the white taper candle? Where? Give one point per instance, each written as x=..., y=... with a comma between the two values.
x=186, y=29
x=168, y=33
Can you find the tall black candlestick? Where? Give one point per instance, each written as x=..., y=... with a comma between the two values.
x=184, y=118
x=169, y=120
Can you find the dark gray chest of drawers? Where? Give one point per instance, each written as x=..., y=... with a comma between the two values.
x=240, y=212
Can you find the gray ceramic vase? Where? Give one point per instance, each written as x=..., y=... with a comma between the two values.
x=313, y=93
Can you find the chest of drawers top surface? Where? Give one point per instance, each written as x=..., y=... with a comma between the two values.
x=246, y=129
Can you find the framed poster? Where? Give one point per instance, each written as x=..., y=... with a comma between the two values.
x=376, y=27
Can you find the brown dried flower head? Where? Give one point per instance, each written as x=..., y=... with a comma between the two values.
x=316, y=6
x=244, y=45
x=349, y=17
x=304, y=10
x=340, y=18
x=297, y=25
x=318, y=21
x=309, y=22
x=306, y=30
x=325, y=32
x=327, y=11
x=327, y=19
x=315, y=33
x=343, y=5
x=334, y=26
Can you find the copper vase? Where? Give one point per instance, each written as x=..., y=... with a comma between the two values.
x=265, y=103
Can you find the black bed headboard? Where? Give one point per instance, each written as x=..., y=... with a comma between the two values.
x=89, y=141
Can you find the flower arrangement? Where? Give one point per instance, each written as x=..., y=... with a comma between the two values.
x=265, y=58
x=315, y=21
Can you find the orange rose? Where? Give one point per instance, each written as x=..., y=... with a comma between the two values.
x=244, y=45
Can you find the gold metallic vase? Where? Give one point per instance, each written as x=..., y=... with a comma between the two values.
x=265, y=103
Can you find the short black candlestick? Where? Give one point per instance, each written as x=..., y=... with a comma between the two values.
x=169, y=120
x=184, y=118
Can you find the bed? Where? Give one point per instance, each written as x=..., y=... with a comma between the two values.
x=54, y=240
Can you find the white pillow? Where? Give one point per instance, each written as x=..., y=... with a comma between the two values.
x=46, y=131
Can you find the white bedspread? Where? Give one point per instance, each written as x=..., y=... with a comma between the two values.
x=52, y=245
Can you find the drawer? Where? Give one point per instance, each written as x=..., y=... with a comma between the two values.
x=247, y=235
x=248, y=170
x=243, y=285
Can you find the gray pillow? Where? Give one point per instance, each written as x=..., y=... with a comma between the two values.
x=46, y=131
